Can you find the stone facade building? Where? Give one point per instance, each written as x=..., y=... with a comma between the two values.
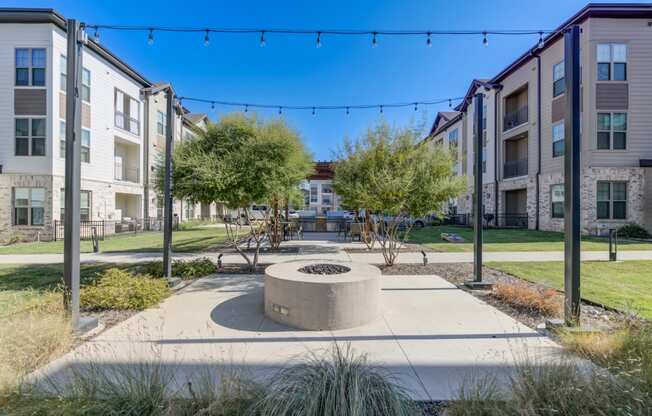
x=523, y=127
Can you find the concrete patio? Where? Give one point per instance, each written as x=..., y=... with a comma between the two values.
x=432, y=336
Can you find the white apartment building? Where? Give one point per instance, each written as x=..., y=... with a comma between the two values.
x=120, y=131
x=523, y=129
x=319, y=195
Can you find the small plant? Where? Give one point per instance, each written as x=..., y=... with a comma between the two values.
x=522, y=296
x=633, y=231
x=185, y=269
x=119, y=289
x=342, y=384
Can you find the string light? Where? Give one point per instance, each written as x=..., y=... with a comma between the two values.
x=207, y=41
x=150, y=37
x=374, y=43
x=314, y=108
x=319, y=39
x=96, y=36
x=212, y=106
x=262, y=39
x=540, y=44
x=429, y=41
x=485, y=41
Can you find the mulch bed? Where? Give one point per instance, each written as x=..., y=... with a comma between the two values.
x=592, y=316
x=240, y=268
x=407, y=248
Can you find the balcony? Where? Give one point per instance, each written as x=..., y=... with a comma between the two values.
x=514, y=168
x=515, y=118
x=126, y=162
x=125, y=174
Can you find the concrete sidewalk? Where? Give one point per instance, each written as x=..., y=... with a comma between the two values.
x=432, y=337
x=328, y=250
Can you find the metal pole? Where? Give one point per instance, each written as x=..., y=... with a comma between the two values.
x=477, y=192
x=73, y=172
x=572, y=149
x=167, y=193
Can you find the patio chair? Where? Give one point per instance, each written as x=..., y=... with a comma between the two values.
x=356, y=231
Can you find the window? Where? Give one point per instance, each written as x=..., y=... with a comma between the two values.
x=30, y=67
x=63, y=69
x=612, y=131
x=30, y=137
x=612, y=62
x=29, y=206
x=558, y=81
x=127, y=112
x=62, y=139
x=326, y=189
x=86, y=146
x=484, y=160
x=557, y=200
x=612, y=200
x=86, y=85
x=84, y=205
x=160, y=123
x=313, y=194
x=558, y=139
x=452, y=139
x=326, y=200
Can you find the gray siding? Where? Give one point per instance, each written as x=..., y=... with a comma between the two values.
x=30, y=102
x=611, y=96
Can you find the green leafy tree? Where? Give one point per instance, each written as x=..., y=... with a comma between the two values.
x=239, y=161
x=392, y=174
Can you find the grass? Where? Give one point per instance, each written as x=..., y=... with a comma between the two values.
x=626, y=286
x=512, y=240
x=23, y=287
x=184, y=240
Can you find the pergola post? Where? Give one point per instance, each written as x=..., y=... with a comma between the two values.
x=572, y=175
x=167, y=191
x=477, y=191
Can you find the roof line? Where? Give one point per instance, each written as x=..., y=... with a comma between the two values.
x=45, y=15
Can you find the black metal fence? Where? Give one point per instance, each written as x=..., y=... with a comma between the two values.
x=490, y=220
x=104, y=228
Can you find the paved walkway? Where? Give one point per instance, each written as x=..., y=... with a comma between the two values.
x=432, y=336
x=322, y=248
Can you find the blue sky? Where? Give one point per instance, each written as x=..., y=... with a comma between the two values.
x=292, y=71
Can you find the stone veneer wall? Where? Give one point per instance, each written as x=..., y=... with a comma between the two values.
x=635, y=177
x=9, y=232
x=528, y=183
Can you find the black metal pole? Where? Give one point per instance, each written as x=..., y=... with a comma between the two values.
x=167, y=193
x=72, y=172
x=477, y=191
x=572, y=177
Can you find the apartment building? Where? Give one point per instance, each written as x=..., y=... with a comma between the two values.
x=319, y=195
x=523, y=131
x=120, y=134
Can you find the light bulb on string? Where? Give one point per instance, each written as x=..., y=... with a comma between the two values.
x=429, y=41
x=280, y=110
x=485, y=41
x=381, y=109
x=347, y=111
x=540, y=44
x=319, y=39
x=213, y=106
x=415, y=106
x=313, y=111
x=262, y=39
x=374, y=42
x=450, y=103
x=150, y=37
x=246, y=108
x=96, y=35
x=207, y=40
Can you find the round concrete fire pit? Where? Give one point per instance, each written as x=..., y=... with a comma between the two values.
x=322, y=294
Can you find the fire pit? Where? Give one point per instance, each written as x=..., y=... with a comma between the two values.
x=322, y=295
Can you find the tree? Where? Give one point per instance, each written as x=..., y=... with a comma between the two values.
x=239, y=161
x=395, y=176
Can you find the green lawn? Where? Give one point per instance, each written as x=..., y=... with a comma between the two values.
x=193, y=239
x=512, y=240
x=625, y=285
x=22, y=286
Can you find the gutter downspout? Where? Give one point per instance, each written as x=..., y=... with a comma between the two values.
x=538, y=176
x=146, y=157
x=496, y=138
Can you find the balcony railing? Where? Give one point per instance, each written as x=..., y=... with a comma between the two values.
x=515, y=118
x=514, y=168
x=127, y=174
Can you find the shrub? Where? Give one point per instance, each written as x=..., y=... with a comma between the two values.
x=524, y=297
x=185, y=269
x=119, y=289
x=633, y=231
x=340, y=385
